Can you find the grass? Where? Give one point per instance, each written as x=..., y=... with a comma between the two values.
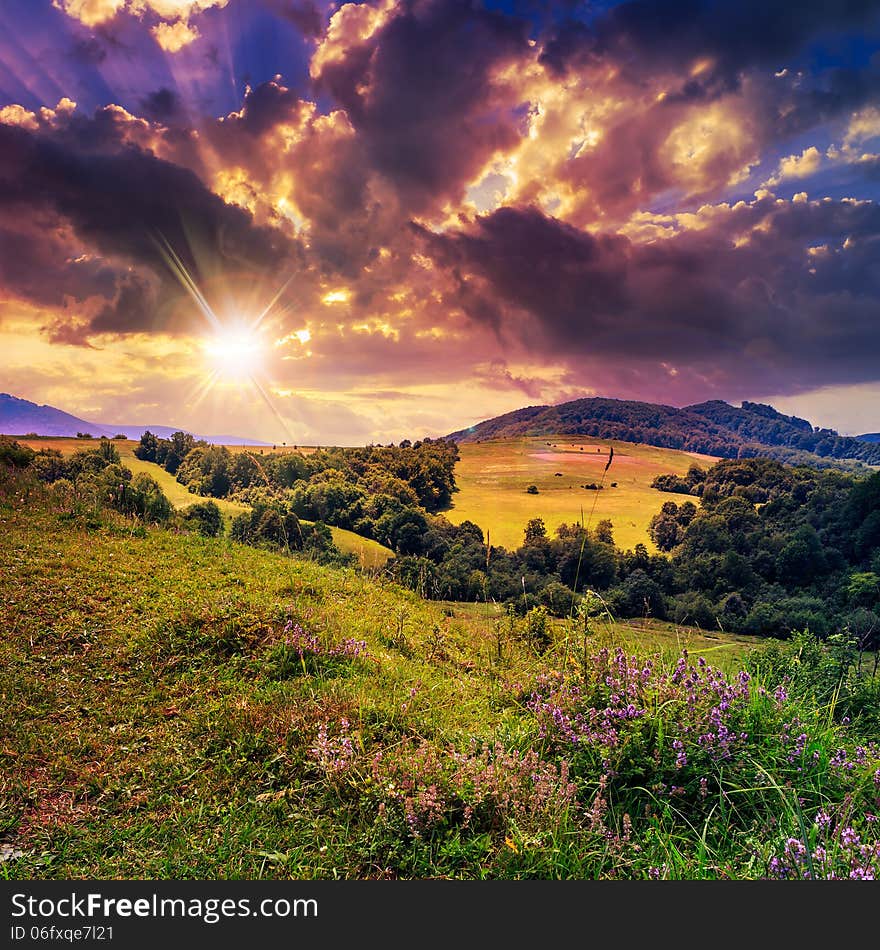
x=725, y=650
x=370, y=554
x=493, y=476
x=182, y=707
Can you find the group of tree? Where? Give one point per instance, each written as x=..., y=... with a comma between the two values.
x=381, y=492
x=766, y=549
x=419, y=474
x=760, y=547
x=95, y=478
x=772, y=547
x=452, y=562
x=169, y=453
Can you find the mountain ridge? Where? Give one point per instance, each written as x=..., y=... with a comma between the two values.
x=714, y=427
x=21, y=416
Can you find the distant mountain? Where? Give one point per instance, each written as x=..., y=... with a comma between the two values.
x=21, y=417
x=869, y=437
x=711, y=428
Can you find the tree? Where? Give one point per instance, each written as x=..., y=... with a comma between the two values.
x=664, y=530
x=14, y=455
x=802, y=559
x=107, y=450
x=863, y=589
x=179, y=446
x=536, y=532
x=605, y=531
x=557, y=598
x=638, y=596
x=148, y=447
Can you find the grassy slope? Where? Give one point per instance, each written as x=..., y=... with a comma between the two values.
x=370, y=553
x=149, y=729
x=493, y=476
x=143, y=734
x=130, y=730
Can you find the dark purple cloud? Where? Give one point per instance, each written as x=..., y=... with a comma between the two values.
x=767, y=313
x=122, y=203
x=420, y=94
x=644, y=36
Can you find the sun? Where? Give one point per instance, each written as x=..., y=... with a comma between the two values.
x=235, y=355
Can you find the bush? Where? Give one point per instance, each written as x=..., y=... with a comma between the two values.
x=638, y=596
x=558, y=599
x=203, y=517
x=14, y=455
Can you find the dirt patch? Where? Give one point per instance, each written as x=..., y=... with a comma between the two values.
x=50, y=807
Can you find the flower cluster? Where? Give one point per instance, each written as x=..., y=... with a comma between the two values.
x=334, y=754
x=834, y=850
x=610, y=705
x=484, y=788
x=307, y=644
x=299, y=653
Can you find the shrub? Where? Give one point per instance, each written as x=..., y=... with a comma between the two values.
x=14, y=455
x=203, y=517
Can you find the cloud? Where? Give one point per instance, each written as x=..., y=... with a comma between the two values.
x=735, y=306
x=171, y=25
x=162, y=105
x=90, y=12
x=172, y=37
x=797, y=166
x=305, y=15
x=423, y=85
x=606, y=145
x=96, y=12
x=87, y=183
x=711, y=43
x=681, y=101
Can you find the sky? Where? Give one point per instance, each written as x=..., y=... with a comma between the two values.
x=323, y=223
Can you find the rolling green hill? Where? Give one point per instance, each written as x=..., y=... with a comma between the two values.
x=182, y=707
x=713, y=428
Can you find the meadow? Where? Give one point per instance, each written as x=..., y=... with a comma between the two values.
x=493, y=476
x=186, y=707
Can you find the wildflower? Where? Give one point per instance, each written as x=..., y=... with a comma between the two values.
x=849, y=838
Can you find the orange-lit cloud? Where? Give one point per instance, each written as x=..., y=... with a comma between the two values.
x=446, y=202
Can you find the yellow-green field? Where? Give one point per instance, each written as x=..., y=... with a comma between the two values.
x=493, y=476
x=370, y=553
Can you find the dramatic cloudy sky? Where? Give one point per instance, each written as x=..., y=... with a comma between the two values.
x=398, y=217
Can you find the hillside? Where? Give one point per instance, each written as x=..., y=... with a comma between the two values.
x=369, y=553
x=710, y=428
x=22, y=417
x=179, y=707
x=870, y=437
